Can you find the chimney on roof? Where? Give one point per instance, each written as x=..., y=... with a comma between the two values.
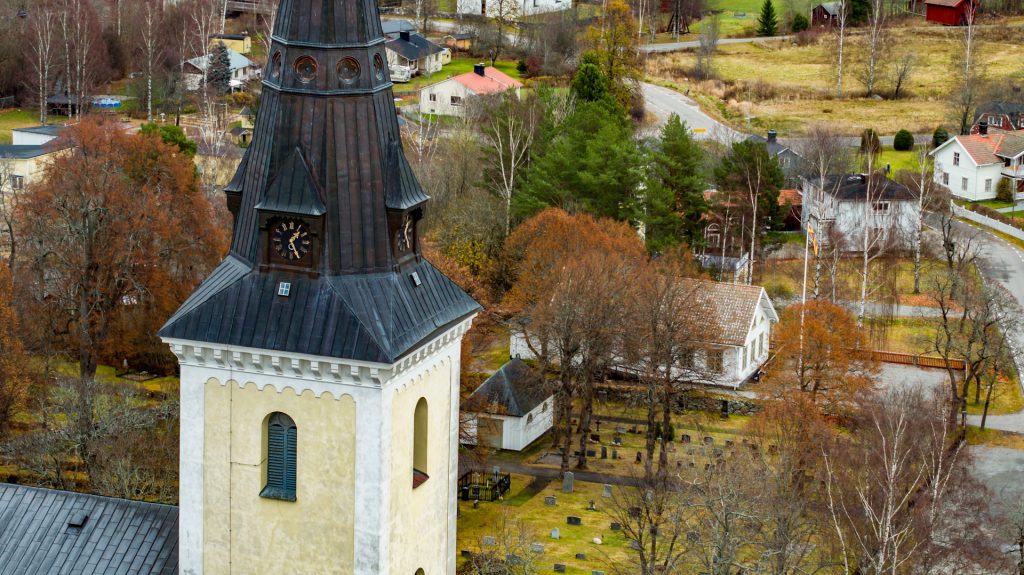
x=478, y=69
x=772, y=136
x=404, y=35
x=983, y=128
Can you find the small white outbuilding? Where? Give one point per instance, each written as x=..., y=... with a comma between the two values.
x=509, y=410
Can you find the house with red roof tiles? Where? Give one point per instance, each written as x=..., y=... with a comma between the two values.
x=450, y=97
x=971, y=166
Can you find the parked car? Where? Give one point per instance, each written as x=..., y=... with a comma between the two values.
x=400, y=74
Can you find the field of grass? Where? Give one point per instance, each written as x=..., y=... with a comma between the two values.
x=456, y=67
x=19, y=118
x=994, y=438
x=789, y=87
x=539, y=520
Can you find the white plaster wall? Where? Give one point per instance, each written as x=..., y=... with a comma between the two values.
x=372, y=386
x=21, y=138
x=444, y=91
x=976, y=175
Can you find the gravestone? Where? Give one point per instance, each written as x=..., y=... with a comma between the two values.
x=607, y=492
x=634, y=512
x=559, y=568
x=685, y=438
x=719, y=452
x=597, y=541
x=595, y=437
x=536, y=548
x=632, y=429
x=581, y=556
x=591, y=507
x=550, y=500
x=615, y=454
x=709, y=440
x=616, y=526
x=567, y=482
x=555, y=534
x=690, y=451
x=591, y=453
x=489, y=540
x=573, y=520
x=513, y=559
x=639, y=457
x=476, y=504
x=604, y=452
x=692, y=536
x=729, y=444
x=620, y=429
x=617, y=440
x=595, y=572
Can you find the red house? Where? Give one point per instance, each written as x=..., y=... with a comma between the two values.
x=950, y=12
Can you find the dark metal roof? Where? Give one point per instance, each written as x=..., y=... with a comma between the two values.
x=774, y=148
x=414, y=48
x=24, y=152
x=331, y=149
x=395, y=26
x=854, y=187
x=48, y=130
x=516, y=389
x=56, y=532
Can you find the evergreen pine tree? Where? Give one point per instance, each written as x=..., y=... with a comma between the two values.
x=678, y=182
x=219, y=75
x=767, y=22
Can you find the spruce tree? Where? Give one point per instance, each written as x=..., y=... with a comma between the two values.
x=767, y=22
x=219, y=76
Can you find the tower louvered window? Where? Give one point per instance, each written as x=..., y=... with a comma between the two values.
x=282, y=440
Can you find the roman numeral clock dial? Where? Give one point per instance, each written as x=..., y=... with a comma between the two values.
x=291, y=239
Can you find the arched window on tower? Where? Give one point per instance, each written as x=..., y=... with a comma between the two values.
x=419, y=444
x=282, y=440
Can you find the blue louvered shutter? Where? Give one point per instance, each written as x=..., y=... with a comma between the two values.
x=282, y=443
x=290, y=445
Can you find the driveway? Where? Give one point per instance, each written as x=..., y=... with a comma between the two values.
x=690, y=45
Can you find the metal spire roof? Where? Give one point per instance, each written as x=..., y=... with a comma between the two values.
x=326, y=144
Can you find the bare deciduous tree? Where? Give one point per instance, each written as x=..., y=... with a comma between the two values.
x=42, y=54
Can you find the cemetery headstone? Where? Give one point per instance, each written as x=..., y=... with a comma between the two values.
x=615, y=454
x=591, y=507
x=573, y=520
x=639, y=457
x=729, y=444
x=555, y=534
x=616, y=526
x=709, y=440
x=620, y=429
x=604, y=452
x=476, y=504
x=617, y=440
x=536, y=547
x=567, y=482
x=595, y=437
x=719, y=452
x=559, y=568
x=597, y=572
x=634, y=512
x=685, y=438
x=513, y=559
x=607, y=490
x=591, y=453
x=550, y=500
x=489, y=540
x=581, y=556
x=597, y=541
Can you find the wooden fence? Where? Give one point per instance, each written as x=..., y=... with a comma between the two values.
x=915, y=360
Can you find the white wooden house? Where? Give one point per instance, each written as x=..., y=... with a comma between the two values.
x=737, y=322
x=509, y=410
x=971, y=166
x=410, y=54
x=450, y=97
x=242, y=70
x=489, y=8
x=841, y=208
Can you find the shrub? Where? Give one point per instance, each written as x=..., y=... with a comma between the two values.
x=800, y=23
x=1004, y=190
x=869, y=143
x=521, y=66
x=903, y=141
x=939, y=137
x=778, y=290
x=999, y=217
x=806, y=37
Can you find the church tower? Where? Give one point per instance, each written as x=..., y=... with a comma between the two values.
x=320, y=361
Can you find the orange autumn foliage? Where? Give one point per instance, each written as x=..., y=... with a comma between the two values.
x=14, y=381
x=114, y=238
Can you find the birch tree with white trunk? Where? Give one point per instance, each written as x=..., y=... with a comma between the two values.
x=42, y=53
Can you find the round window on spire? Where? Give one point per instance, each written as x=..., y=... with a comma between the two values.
x=275, y=66
x=378, y=67
x=348, y=70
x=305, y=69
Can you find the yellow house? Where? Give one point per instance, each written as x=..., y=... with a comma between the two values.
x=240, y=43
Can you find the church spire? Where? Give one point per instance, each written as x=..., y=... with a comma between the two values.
x=325, y=256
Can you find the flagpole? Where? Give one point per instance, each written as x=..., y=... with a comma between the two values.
x=803, y=298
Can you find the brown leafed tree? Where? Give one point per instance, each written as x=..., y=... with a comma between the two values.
x=819, y=361
x=116, y=228
x=14, y=380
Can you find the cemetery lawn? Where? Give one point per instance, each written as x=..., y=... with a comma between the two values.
x=474, y=524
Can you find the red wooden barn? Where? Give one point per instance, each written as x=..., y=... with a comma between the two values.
x=949, y=12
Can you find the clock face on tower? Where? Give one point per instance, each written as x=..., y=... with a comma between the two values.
x=291, y=239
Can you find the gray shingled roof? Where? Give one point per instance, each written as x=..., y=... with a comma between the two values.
x=854, y=187
x=23, y=152
x=514, y=390
x=414, y=48
x=116, y=535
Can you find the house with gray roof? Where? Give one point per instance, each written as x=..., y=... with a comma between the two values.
x=410, y=54
x=842, y=208
x=792, y=163
x=46, y=531
x=509, y=410
x=242, y=70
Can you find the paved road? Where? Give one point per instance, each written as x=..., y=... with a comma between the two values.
x=690, y=45
x=663, y=102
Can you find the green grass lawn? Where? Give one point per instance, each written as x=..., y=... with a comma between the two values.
x=897, y=161
x=456, y=67
x=19, y=118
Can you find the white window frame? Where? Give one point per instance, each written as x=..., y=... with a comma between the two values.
x=964, y=184
x=956, y=158
x=456, y=100
x=945, y=179
x=17, y=182
x=988, y=185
